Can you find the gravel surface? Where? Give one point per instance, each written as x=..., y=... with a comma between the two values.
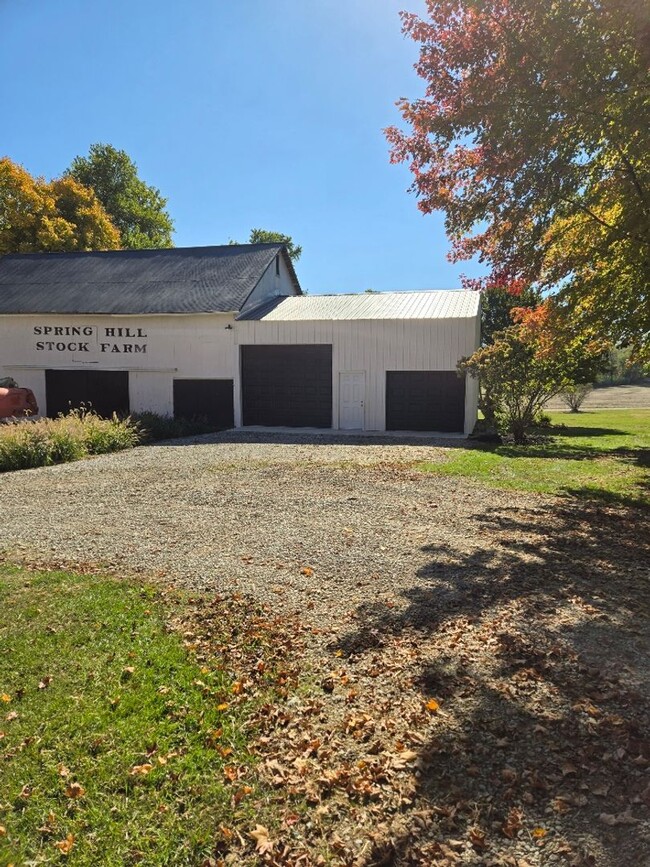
x=238, y=514
x=481, y=657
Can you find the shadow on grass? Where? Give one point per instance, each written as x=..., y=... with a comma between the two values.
x=573, y=431
x=636, y=498
x=549, y=447
x=555, y=722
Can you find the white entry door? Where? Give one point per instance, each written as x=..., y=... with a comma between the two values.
x=352, y=393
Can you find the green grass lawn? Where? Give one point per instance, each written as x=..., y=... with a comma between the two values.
x=603, y=454
x=115, y=744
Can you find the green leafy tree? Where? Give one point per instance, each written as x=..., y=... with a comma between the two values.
x=50, y=216
x=263, y=236
x=532, y=139
x=497, y=304
x=518, y=383
x=530, y=362
x=137, y=209
x=621, y=369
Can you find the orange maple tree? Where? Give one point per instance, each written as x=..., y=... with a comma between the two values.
x=50, y=216
x=532, y=138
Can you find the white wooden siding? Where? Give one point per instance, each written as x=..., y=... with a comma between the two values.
x=375, y=346
x=202, y=346
x=195, y=346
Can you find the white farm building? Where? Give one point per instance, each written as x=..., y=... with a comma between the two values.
x=226, y=333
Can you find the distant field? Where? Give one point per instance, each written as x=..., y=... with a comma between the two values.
x=612, y=397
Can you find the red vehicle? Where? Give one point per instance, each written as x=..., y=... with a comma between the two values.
x=17, y=402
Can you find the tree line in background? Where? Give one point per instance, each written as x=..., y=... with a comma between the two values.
x=99, y=203
x=532, y=139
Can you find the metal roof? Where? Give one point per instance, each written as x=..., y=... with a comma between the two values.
x=176, y=280
x=434, y=304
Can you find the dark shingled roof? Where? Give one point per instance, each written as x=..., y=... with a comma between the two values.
x=177, y=280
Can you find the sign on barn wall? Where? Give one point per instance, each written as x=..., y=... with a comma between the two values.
x=192, y=345
x=154, y=350
x=90, y=338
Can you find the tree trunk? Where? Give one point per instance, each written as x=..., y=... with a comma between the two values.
x=518, y=430
x=488, y=408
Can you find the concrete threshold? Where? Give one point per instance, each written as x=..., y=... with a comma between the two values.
x=358, y=434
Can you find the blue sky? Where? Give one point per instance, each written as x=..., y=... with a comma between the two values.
x=244, y=113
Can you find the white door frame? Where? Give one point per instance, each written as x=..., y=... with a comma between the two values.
x=361, y=373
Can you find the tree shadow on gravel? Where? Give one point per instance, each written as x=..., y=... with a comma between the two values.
x=536, y=648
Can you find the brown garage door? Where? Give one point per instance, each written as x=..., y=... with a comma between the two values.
x=211, y=399
x=431, y=400
x=287, y=385
x=104, y=391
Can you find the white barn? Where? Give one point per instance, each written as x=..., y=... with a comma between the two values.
x=226, y=333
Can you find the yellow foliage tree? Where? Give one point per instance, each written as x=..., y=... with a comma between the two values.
x=603, y=274
x=50, y=216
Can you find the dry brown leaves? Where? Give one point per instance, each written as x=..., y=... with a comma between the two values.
x=74, y=791
x=65, y=846
x=484, y=735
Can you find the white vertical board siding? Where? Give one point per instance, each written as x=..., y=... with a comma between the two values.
x=151, y=391
x=271, y=285
x=471, y=384
x=375, y=346
x=177, y=346
x=202, y=346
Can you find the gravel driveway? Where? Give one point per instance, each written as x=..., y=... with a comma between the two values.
x=522, y=618
x=232, y=512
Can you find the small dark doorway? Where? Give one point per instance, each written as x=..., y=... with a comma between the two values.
x=427, y=400
x=103, y=391
x=211, y=399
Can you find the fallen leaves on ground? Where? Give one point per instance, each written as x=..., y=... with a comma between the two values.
x=263, y=843
x=65, y=846
x=541, y=749
x=74, y=791
x=141, y=770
